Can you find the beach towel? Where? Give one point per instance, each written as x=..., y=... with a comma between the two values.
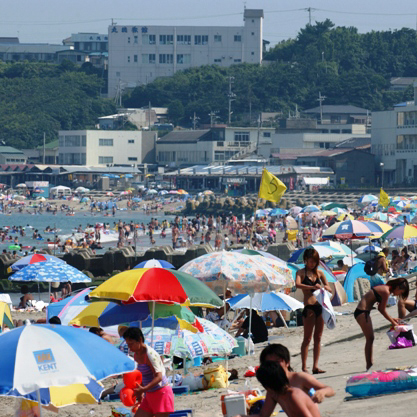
x=323, y=297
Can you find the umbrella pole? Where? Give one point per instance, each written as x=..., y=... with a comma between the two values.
x=38, y=394
x=39, y=292
x=49, y=288
x=250, y=322
x=254, y=223
x=282, y=318
x=153, y=321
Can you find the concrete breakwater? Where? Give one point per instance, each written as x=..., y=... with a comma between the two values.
x=101, y=267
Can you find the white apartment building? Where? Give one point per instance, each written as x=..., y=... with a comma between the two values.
x=140, y=54
x=104, y=147
x=394, y=142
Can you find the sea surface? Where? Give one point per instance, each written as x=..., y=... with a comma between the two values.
x=67, y=224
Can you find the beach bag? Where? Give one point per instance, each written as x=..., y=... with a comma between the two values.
x=404, y=331
x=370, y=267
x=216, y=377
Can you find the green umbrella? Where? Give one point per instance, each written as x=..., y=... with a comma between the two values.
x=333, y=205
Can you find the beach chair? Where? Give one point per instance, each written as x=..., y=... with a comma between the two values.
x=182, y=413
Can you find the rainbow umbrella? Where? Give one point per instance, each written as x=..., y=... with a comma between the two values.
x=106, y=313
x=349, y=229
x=33, y=259
x=401, y=235
x=156, y=284
x=367, y=198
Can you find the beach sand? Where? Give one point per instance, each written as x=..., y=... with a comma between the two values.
x=342, y=355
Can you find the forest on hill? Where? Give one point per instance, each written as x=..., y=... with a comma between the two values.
x=347, y=67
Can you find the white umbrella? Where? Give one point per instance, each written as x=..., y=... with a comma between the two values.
x=22, y=185
x=152, y=191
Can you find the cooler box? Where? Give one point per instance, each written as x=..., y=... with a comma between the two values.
x=240, y=350
x=233, y=404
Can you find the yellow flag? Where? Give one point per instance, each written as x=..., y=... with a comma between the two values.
x=271, y=189
x=383, y=198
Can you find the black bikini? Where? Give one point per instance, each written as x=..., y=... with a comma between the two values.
x=316, y=308
x=367, y=313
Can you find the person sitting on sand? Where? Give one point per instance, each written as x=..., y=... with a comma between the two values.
x=279, y=354
x=27, y=299
x=379, y=294
x=294, y=402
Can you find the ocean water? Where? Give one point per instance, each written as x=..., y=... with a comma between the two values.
x=68, y=223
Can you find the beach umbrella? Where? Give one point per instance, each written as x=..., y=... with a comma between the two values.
x=170, y=340
x=182, y=192
x=208, y=192
x=106, y=313
x=377, y=215
x=109, y=194
x=310, y=209
x=345, y=216
x=69, y=307
x=22, y=185
x=377, y=227
x=278, y=212
x=331, y=206
x=328, y=213
x=43, y=356
x=33, y=259
x=323, y=251
x=163, y=192
x=349, y=229
x=341, y=247
x=322, y=267
x=368, y=248
x=154, y=263
x=5, y=316
x=401, y=235
x=295, y=210
x=38, y=191
x=242, y=273
x=152, y=191
x=291, y=223
x=43, y=199
x=173, y=192
x=85, y=200
x=49, y=271
x=349, y=261
x=367, y=198
x=19, y=197
x=253, y=252
x=156, y=284
x=262, y=212
x=262, y=302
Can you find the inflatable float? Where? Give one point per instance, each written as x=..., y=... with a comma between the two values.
x=382, y=382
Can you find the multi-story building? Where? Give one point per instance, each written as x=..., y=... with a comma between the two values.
x=394, y=143
x=106, y=147
x=211, y=146
x=140, y=54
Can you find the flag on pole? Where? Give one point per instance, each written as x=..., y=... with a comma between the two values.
x=383, y=198
x=271, y=188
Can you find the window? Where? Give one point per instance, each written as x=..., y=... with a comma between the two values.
x=135, y=58
x=148, y=58
x=237, y=60
x=252, y=53
x=166, y=58
x=238, y=38
x=117, y=74
x=253, y=33
x=217, y=60
x=184, y=39
x=131, y=141
x=135, y=39
x=84, y=140
x=128, y=39
x=128, y=58
x=132, y=158
x=267, y=134
x=166, y=39
x=105, y=159
x=72, y=141
x=200, y=39
x=148, y=39
x=217, y=38
x=241, y=136
x=183, y=58
x=105, y=142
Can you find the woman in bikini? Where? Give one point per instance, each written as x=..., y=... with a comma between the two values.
x=379, y=294
x=309, y=280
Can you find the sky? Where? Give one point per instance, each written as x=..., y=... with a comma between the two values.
x=51, y=21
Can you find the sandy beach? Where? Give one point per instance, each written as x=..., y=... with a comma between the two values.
x=341, y=356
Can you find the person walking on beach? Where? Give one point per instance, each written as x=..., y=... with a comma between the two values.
x=155, y=392
x=379, y=294
x=310, y=279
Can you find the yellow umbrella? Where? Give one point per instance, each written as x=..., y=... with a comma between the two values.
x=341, y=218
x=5, y=316
x=328, y=213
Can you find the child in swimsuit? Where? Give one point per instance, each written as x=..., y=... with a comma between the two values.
x=379, y=294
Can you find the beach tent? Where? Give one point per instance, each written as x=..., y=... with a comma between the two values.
x=60, y=189
x=5, y=316
x=338, y=294
x=357, y=271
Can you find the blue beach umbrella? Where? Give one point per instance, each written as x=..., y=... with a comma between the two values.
x=45, y=356
x=367, y=198
x=323, y=251
x=310, y=209
x=278, y=212
x=32, y=259
x=265, y=302
x=155, y=263
x=49, y=271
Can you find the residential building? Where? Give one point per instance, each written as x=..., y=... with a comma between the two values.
x=401, y=83
x=139, y=54
x=106, y=147
x=9, y=155
x=50, y=153
x=394, y=143
x=210, y=146
x=14, y=51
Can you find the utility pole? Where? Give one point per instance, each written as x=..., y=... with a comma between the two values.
x=309, y=15
x=320, y=100
x=149, y=116
x=231, y=96
x=194, y=119
x=43, y=159
x=213, y=117
x=259, y=132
